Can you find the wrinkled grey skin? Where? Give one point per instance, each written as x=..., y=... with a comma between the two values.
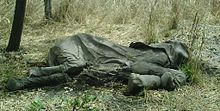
x=152, y=66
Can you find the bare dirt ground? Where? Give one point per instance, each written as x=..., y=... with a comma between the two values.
x=36, y=42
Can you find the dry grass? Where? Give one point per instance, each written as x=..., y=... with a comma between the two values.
x=121, y=21
x=152, y=17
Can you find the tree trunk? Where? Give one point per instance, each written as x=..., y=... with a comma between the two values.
x=17, y=26
x=47, y=9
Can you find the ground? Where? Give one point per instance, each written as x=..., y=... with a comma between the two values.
x=36, y=43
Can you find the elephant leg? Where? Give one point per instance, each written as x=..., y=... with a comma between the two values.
x=31, y=82
x=45, y=71
x=172, y=79
x=145, y=68
x=137, y=82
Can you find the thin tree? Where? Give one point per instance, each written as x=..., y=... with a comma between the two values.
x=47, y=9
x=17, y=26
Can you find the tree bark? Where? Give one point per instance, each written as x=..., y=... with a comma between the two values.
x=17, y=26
x=47, y=9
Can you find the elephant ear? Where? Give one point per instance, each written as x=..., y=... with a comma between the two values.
x=139, y=46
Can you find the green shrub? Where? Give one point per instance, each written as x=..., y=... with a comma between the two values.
x=193, y=71
x=37, y=105
x=83, y=102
